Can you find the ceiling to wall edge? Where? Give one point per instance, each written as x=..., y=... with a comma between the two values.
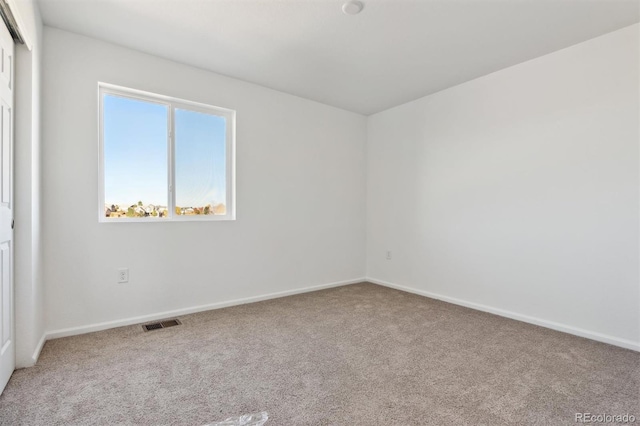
x=262, y=86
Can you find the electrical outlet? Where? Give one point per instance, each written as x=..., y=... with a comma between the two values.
x=123, y=275
x=388, y=255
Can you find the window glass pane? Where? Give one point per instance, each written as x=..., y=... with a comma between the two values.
x=200, y=163
x=135, y=158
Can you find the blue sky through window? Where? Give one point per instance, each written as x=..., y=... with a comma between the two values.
x=200, y=159
x=136, y=159
x=135, y=152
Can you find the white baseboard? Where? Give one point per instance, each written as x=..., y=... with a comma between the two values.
x=30, y=361
x=54, y=334
x=623, y=343
x=36, y=353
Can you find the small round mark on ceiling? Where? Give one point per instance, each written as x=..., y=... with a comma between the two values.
x=352, y=7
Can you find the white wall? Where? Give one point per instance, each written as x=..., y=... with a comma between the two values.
x=515, y=193
x=300, y=195
x=518, y=192
x=28, y=261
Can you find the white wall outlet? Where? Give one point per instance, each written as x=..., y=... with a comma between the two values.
x=388, y=254
x=123, y=275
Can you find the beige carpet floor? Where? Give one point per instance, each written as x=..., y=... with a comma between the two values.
x=354, y=355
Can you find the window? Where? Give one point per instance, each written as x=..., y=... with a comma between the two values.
x=164, y=159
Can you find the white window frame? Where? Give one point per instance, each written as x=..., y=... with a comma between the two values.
x=172, y=104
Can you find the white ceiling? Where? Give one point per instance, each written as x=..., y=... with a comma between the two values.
x=393, y=52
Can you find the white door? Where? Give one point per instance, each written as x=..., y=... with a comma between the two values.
x=7, y=345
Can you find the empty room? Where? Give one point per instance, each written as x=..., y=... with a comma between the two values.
x=319, y=212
